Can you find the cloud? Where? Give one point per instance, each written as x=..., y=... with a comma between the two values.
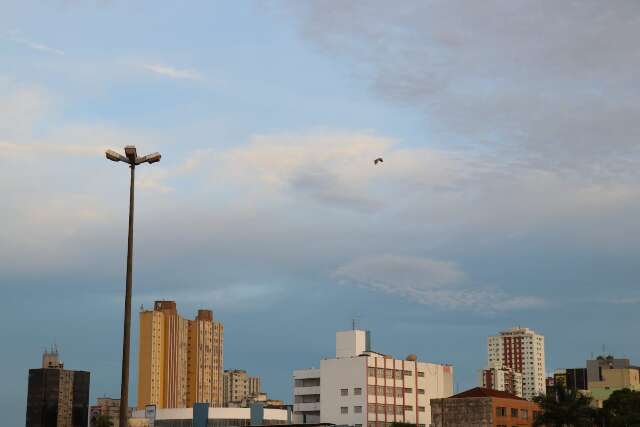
x=173, y=73
x=36, y=46
x=546, y=83
x=427, y=281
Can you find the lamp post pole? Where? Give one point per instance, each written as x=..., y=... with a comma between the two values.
x=132, y=159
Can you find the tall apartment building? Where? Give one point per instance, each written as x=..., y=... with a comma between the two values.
x=57, y=397
x=501, y=378
x=179, y=361
x=522, y=350
x=238, y=385
x=360, y=387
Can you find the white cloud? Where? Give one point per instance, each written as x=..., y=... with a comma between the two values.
x=427, y=281
x=36, y=46
x=173, y=73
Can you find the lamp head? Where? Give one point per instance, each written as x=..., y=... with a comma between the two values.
x=131, y=153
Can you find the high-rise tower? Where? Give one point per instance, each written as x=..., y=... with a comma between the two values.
x=522, y=350
x=179, y=361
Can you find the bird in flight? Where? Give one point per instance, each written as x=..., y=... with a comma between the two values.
x=378, y=160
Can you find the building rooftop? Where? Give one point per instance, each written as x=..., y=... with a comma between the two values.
x=485, y=392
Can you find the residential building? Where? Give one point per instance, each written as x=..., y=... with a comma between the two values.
x=597, y=365
x=360, y=387
x=57, y=397
x=108, y=407
x=212, y=417
x=261, y=398
x=483, y=407
x=179, y=361
x=238, y=385
x=571, y=378
x=501, y=378
x=522, y=350
x=613, y=379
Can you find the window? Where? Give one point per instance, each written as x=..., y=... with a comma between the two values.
x=344, y=410
x=357, y=425
x=380, y=372
x=407, y=373
x=514, y=413
x=371, y=407
x=421, y=374
x=501, y=411
x=407, y=390
x=399, y=409
x=357, y=391
x=420, y=391
x=344, y=392
x=380, y=390
x=357, y=409
x=408, y=408
x=372, y=372
x=388, y=374
x=371, y=389
x=524, y=414
x=398, y=374
x=420, y=408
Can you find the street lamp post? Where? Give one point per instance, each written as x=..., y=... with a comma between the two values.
x=132, y=159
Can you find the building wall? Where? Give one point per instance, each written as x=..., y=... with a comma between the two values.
x=522, y=350
x=596, y=366
x=501, y=378
x=343, y=374
x=483, y=412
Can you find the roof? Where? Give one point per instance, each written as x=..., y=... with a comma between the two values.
x=485, y=392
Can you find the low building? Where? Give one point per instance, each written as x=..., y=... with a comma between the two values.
x=57, y=396
x=214, y=417
x=501, y=378
x=109, y=408
x=483, y=407
x=238, y=386
x=601, y=363
x=613, y=379
x=360, y=387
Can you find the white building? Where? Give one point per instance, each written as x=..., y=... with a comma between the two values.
x=522, y=350
x=501, y=378
x=217, y=417
x=363, y=388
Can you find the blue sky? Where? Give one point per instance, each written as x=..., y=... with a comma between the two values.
x=508, y=195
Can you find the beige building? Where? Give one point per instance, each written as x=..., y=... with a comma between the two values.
x=108, y=407
x=238, y=386
x=501, y=378
x=613, y=379
x=179, y=361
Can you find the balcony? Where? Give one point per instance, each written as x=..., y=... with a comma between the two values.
x=306, y=407
x=301, y=391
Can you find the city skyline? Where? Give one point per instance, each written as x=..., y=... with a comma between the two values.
x=508, y=194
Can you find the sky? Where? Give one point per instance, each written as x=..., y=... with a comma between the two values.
x=508, y=195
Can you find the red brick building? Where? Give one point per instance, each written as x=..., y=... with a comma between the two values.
x=482, y=407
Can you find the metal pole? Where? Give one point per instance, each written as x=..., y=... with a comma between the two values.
x=124, y=387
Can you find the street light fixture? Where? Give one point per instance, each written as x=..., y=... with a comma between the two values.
x=130, y=157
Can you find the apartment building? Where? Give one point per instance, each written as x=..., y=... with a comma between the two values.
x=501, y=378
x=360, y=387
x=179, y=361
x=238, y=386
x=522, y=350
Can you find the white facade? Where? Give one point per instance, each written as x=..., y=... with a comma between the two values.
x=242, y=415
x=522, y=350
x=368, y=389
x=501, y=378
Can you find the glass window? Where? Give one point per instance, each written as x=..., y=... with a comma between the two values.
x=407, y=390
x=501, y=411
x=357, y=409
x=380, y=372
x=408, y=408
x=421, y=374
x=514, y=413
x=407, y=373
x=380, y=390
x=357, y=391
x=344, y=392
x=371, y=407
x=420, y=391
x=344, y=409
x=388, y=374
x=397, y=374
x=524, y=414
x=372, y=372
x=371, y=389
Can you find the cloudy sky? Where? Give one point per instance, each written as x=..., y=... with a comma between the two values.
x=508, y=196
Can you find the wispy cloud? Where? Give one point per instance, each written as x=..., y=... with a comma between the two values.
x=430, y=282
x=173, y=73
x=36, y=46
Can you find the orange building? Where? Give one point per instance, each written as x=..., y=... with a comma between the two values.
x=179, y=361
x=483, y=407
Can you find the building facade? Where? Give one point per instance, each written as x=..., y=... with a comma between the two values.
x=501, y=378
x=597, y=365
x=179, y=360
x=109, y=408
x=614, y=379
x=57, y=397
x=522, y=350
x=360, y=387
x=215, y=417
x=571, y=378
x=482, y=407
x=238, y=386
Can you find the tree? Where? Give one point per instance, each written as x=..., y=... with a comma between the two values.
x=101, y=421
x=564, y=408
x=622, y=409
x=399, y=424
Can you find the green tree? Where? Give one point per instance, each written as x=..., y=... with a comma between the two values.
x=564, y=408
x=622, y=409
x=101, y=421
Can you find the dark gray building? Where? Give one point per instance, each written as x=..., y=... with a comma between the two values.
x=57, y=397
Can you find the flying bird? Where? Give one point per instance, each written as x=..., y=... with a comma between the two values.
x=378, y=160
